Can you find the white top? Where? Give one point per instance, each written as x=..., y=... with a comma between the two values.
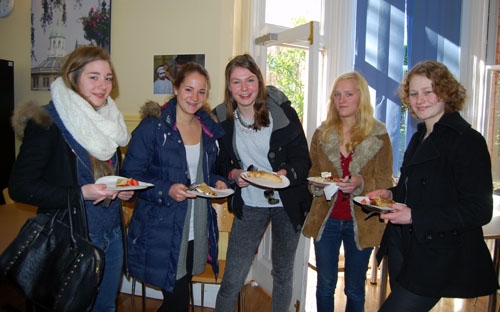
x=253, y=147
x=192, y=157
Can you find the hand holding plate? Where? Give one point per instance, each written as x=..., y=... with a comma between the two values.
x=400, y=214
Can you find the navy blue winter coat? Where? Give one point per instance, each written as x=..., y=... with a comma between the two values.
x=156, y=154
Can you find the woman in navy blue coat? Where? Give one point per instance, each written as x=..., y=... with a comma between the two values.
x=173, y=233
x=434, y=239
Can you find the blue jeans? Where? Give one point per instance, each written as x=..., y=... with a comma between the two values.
x=112, y=245
x=244, y=240
x=327, y=251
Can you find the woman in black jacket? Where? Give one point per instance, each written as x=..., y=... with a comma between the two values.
x=434, y=239
x=69, y=144
x=264, y=132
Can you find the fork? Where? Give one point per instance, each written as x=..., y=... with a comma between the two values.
x=193, y=186
x=346, y=194
x=107, y=202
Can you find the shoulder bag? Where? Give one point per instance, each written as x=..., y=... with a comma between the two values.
x=54, y=265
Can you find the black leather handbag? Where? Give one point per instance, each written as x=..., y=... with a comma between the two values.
x=54, y=265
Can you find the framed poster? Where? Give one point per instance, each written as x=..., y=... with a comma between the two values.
x=60, y=26
x=165, y=68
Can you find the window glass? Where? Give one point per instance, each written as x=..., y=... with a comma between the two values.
x=286, y=12
x=493, y=131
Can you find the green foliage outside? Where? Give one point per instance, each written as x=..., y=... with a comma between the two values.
x=286, y=68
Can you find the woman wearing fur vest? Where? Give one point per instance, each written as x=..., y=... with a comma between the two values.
x=355, y=148
x=69, y=144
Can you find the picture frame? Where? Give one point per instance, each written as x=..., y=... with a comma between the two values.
x=165, y=68
x=60, y=26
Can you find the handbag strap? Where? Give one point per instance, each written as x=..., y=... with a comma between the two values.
x=77, y=217
x=70, y=220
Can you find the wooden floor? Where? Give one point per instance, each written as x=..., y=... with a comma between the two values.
x=255, y=300
x=371, y=302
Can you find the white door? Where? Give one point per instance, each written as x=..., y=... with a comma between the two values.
x=305, y=37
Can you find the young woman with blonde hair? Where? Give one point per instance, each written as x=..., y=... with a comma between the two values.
x=354, y=147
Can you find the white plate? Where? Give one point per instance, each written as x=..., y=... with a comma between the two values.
x=320, y=180
x=220, y=193
x=110, y=182
x=360, y=199
x=266, y=183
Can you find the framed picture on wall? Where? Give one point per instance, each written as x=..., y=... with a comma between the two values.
x=165, y=68
x=60, y=26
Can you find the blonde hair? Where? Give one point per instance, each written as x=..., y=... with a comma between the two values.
x=364, y=115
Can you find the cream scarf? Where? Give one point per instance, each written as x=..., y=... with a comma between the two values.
x=100, y=131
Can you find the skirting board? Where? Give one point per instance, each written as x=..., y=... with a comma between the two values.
x=209, y=300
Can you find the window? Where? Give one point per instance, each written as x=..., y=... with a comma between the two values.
x=286, y=13
x=492, y=99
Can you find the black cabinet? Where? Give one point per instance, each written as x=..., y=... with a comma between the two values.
x=8, y=145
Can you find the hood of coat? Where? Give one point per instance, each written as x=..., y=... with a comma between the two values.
x=150, y=109
x=29, y=111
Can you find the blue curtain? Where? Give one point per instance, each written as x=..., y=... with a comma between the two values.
x=379, y=58
x=433, y=34
x=433, y=29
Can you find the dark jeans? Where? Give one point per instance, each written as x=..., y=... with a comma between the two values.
x=327, y=250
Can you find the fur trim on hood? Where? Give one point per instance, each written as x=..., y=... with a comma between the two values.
x=27, y=111
x=150, y=109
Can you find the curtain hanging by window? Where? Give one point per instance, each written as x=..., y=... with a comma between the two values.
x=379, y=58
x=433, y=32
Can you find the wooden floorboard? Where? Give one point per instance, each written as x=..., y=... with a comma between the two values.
x=255, y=300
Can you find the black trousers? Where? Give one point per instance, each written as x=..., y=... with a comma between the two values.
x=178, y=301
x=402, y=300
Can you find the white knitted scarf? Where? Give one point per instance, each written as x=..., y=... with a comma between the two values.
x=100, y=131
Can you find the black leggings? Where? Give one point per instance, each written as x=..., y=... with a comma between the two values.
x=178, y=301
x=402, y=300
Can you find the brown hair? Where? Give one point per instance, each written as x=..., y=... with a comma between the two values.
x=76, y=61
x=261, y=117
x=446, y=87
x=186, y=70
x=364, y=114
